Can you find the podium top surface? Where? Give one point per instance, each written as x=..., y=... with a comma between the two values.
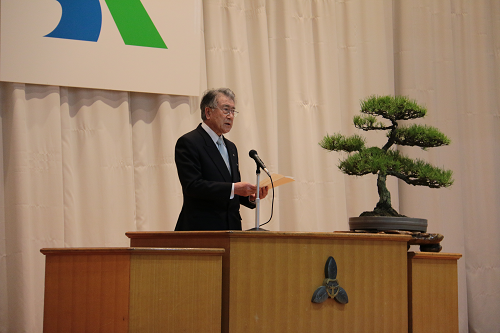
x=434, y=255
x=132, y=250
x=266, y=234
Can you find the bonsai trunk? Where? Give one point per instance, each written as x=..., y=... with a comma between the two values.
x=383, y=207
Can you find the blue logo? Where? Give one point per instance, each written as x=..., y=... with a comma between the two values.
x=82, y=20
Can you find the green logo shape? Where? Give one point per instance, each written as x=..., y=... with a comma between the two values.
x=134, y=24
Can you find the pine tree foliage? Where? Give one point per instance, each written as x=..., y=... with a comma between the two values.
x=393, y=108
x=362, y=160
x=393, y=163
x=421, y=136
x=338, y=142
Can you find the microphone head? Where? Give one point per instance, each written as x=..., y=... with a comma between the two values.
x=252, y=153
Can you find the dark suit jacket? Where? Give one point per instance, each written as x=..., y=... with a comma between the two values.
x=206, y=184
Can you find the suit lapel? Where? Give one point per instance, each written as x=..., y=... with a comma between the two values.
x=233, y=160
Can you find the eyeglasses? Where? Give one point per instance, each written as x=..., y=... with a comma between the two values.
x=226, y=111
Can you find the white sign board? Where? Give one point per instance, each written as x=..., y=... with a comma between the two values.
x=130, y=45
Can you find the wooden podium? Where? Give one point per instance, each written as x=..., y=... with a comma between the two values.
x=268, y=279
x=249, y=281
x=132, y=290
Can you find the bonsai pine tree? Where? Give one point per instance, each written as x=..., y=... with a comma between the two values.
x=387, y=161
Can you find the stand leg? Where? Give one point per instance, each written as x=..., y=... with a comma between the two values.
x=257, y=202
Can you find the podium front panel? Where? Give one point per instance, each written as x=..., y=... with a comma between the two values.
x=269, y=279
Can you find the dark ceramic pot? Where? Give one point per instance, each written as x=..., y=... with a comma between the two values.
x=382, y=223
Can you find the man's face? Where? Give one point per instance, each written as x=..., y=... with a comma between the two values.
x=216, y=119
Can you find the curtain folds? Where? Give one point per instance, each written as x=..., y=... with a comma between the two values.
x=81, y=166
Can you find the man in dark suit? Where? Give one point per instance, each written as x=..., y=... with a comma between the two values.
x=207, y=165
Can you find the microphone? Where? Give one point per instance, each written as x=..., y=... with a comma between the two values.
x=253, y=154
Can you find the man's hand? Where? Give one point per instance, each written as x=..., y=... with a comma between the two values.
x=262, y=193
x=244, y=189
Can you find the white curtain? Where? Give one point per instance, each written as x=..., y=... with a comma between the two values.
x=81, y=167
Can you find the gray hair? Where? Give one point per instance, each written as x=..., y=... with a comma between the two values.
x=209, y=99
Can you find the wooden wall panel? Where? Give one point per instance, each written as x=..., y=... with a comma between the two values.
x=175, y=293
x=433, y=292
x=133, y=290
x=180, y=239
x=86, y=293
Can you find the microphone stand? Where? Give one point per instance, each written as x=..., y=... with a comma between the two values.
x=257, y=204
x=257, y=201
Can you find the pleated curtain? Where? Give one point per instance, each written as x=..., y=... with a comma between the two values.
x=81, y=167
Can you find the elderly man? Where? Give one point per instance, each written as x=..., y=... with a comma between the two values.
x=207, y=165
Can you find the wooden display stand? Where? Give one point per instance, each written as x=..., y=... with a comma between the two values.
x=269, y=278
x=432, y=292
x=132, y=290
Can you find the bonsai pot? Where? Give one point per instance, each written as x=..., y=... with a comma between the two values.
x=382, y=223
